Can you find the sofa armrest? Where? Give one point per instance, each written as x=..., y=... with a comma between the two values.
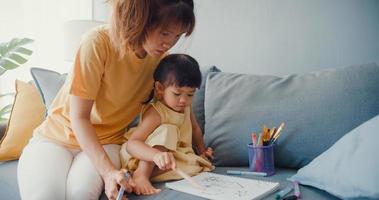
x=3, y=127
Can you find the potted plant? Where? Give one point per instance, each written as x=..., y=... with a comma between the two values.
x=12, y=55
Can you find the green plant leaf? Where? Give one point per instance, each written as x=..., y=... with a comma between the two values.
x=23, y=50
x=16, y=42
x=8, y=65
x=12, y=54
x=3, y=48
x=5, y=110
x=19, y=59
x=2, y=70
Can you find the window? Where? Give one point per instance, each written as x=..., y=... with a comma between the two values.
x=42, y=21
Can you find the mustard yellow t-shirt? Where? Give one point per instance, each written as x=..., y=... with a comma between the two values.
x=117, y=85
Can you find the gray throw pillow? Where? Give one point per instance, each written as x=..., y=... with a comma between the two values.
x=198, y=100
x=318, y=109
x=48, y=83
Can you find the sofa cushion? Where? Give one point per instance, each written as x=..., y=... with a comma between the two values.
x=9, y=187
x=348, y=169
x=280, y=176
x=198, y=99
x=8, y=181
x=48, y=82
x=318, y=109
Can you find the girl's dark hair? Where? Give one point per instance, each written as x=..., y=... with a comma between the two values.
x=133, y=19
x=178, y=70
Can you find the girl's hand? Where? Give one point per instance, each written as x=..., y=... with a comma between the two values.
x=115, y=178
x=164, y=160
x=208, y=154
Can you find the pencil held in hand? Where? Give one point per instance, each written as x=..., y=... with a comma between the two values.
x=122, y=189
x=188, y=178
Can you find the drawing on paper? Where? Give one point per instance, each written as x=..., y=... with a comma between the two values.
x=225, y=187
x=218, y=186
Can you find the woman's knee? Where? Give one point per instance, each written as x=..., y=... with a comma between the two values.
x=42, y=171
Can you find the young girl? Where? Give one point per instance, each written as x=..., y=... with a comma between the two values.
x=163, y=139
x=74, y=153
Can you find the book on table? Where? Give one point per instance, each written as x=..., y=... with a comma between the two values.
x=216, y=186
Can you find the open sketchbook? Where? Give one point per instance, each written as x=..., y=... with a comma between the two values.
x=225, y=187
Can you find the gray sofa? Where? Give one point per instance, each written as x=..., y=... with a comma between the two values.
x=318, y=108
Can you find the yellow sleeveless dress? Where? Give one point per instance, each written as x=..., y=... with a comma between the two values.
x=175, y=134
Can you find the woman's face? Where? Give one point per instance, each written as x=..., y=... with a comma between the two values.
x=160, y=40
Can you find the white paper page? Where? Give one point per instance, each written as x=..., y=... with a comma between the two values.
x=222, y=187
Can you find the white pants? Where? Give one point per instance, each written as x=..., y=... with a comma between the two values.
x=47, y=170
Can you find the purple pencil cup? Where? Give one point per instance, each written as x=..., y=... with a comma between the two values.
x=261, y=159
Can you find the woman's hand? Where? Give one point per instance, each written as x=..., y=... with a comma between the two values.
x=164, y=160
x=115, y=178
x=208, y=154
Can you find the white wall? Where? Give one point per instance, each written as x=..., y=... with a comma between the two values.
x=41, y=20
x=101, y=10
x=284, y=36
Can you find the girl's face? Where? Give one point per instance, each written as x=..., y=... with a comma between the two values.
x=160, y=40
x=176, y=98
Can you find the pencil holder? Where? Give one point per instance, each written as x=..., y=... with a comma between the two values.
x=261, y=159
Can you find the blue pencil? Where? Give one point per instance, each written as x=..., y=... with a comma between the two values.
x=236, y=172
x=283, y=192
x=122, y=189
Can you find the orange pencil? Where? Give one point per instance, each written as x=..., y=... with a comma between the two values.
x=265, y=130
x=188, y=178
x=254, y=138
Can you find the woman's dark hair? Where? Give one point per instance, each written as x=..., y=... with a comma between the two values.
x=178, y=70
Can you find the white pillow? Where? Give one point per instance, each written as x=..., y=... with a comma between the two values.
x=350, y=168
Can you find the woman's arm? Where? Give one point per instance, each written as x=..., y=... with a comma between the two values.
x=88, y=141
x=137, y=147
x=86, y=136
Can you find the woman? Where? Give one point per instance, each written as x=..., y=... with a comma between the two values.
x=74, y=153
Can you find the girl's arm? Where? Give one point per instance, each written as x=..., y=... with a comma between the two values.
x=137, y=147
x=197, y=138
x=88, y=141
x=197, y=135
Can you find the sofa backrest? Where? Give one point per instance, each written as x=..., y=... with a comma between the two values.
x=318, y=108
x=198, y=100
x=49, y=83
